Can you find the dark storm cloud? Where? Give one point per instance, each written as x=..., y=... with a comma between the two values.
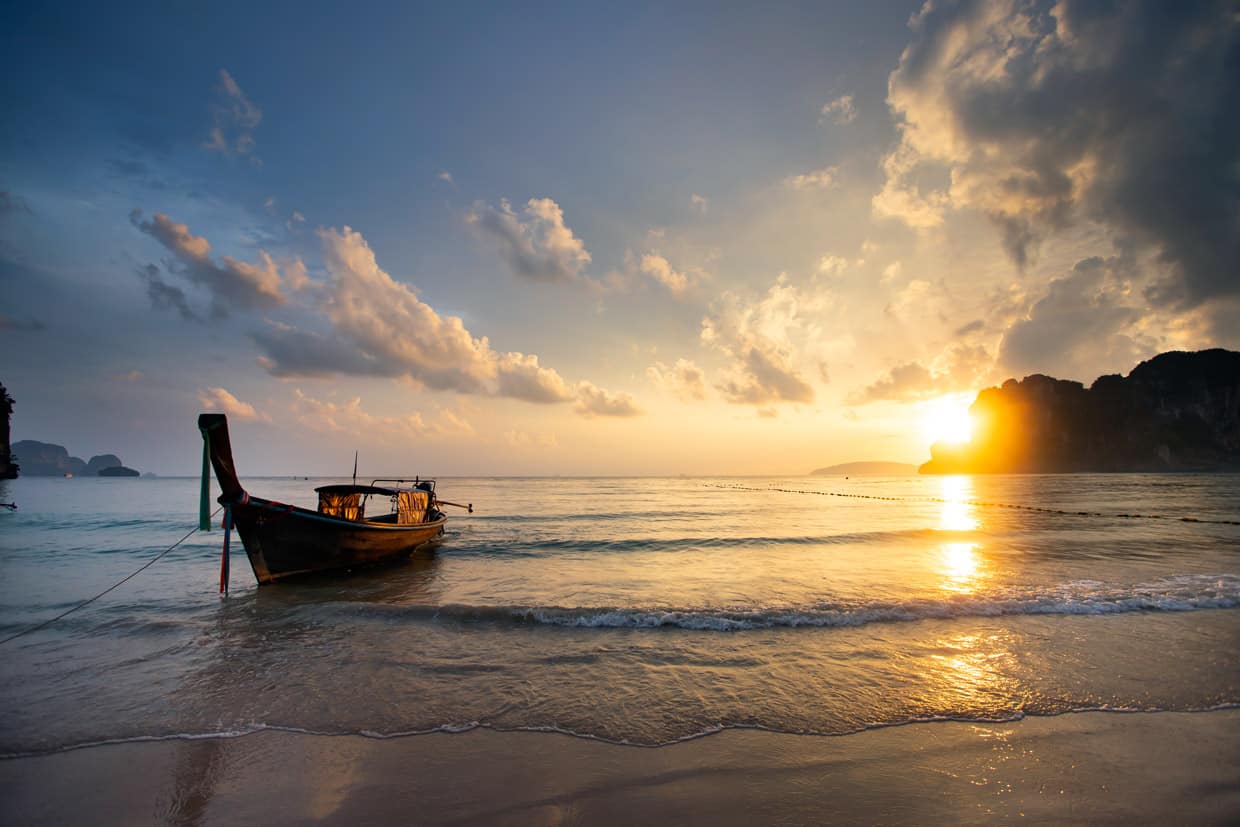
x=1083, y=321
x=1126, y=113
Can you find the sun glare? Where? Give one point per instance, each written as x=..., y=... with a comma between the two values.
x=947, y=419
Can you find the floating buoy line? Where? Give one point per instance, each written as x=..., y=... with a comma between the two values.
x=982, y=504
x=118, y=583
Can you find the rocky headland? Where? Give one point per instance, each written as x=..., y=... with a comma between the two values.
x=46, y=459
x=1176, y=412
x=866, y=469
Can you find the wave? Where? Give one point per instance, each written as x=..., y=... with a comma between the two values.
x=1183, y=593
x=457, y=728
x=541, y=547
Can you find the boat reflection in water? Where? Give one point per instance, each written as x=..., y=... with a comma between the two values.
x=264, y=636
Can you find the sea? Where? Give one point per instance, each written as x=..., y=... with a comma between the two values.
x=634, y=611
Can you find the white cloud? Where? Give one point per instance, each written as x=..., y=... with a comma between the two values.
x=594, y=401
x=218, y=399
x=840, y=110
x=759, y=339
x=350, y=418
x=832, y=265
x=380, y=327
x=684, y=379
x=700, y=203
x=536, y=243
x=444, y=175
x=815, y=179
x=659, y=269
x=521, y=377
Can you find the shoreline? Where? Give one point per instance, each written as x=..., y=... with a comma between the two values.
x=1083, y=767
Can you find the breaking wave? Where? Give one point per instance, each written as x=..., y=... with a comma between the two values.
x=1184, y=593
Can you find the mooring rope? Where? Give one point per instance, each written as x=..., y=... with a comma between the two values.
x=984, y=504
x=118, y=583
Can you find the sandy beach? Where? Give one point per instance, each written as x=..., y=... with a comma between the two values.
x=1085, y=768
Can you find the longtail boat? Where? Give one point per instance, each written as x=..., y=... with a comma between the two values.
x=285, y=540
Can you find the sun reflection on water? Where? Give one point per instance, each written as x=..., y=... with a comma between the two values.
x=961, y=564
x=957, y=508
x=961, y=567
x=973, y=673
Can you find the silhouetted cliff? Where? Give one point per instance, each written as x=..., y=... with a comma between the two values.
x=46, y=459
x=8, y=468
x=1177, y=412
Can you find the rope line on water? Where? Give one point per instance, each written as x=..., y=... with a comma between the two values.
x=984, y=504
x=118, y=583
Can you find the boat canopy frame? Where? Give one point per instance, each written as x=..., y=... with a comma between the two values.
x=411, y=504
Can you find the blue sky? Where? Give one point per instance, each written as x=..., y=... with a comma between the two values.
x=572, y=238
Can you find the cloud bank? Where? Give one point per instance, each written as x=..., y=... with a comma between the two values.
x=1122, y=113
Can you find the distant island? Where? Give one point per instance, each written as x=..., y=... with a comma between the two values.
x=1176, y=412
x=45, y=459
x=866, y=469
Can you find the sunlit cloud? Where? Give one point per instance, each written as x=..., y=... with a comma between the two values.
x=522, y=440
x=700, y=203
x=351, y=418
x=684, y=379
x=232, y=283
x=959, y=367
x=758, y=338
x=840, y=110
x=1085, y=323
x=1029, y=113
x=379, y=327
x=535, y=242
x=660, y=270
x=832, y=265
x=594, y=401
x=818, y=179
x=220, y=400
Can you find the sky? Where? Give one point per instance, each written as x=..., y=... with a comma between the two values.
x=578, y=239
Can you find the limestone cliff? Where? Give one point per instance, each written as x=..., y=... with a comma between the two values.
x=1176, y=412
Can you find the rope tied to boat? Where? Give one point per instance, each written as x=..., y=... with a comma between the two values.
x=115, y=585
x=224, y=554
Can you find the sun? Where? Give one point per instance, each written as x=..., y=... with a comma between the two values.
x=947, y=419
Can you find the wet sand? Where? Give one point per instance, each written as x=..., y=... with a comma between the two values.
x=1086, y=768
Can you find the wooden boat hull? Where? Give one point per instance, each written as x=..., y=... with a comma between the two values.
x=285, y=541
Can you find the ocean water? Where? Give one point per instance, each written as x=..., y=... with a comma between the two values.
x=639, y=611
